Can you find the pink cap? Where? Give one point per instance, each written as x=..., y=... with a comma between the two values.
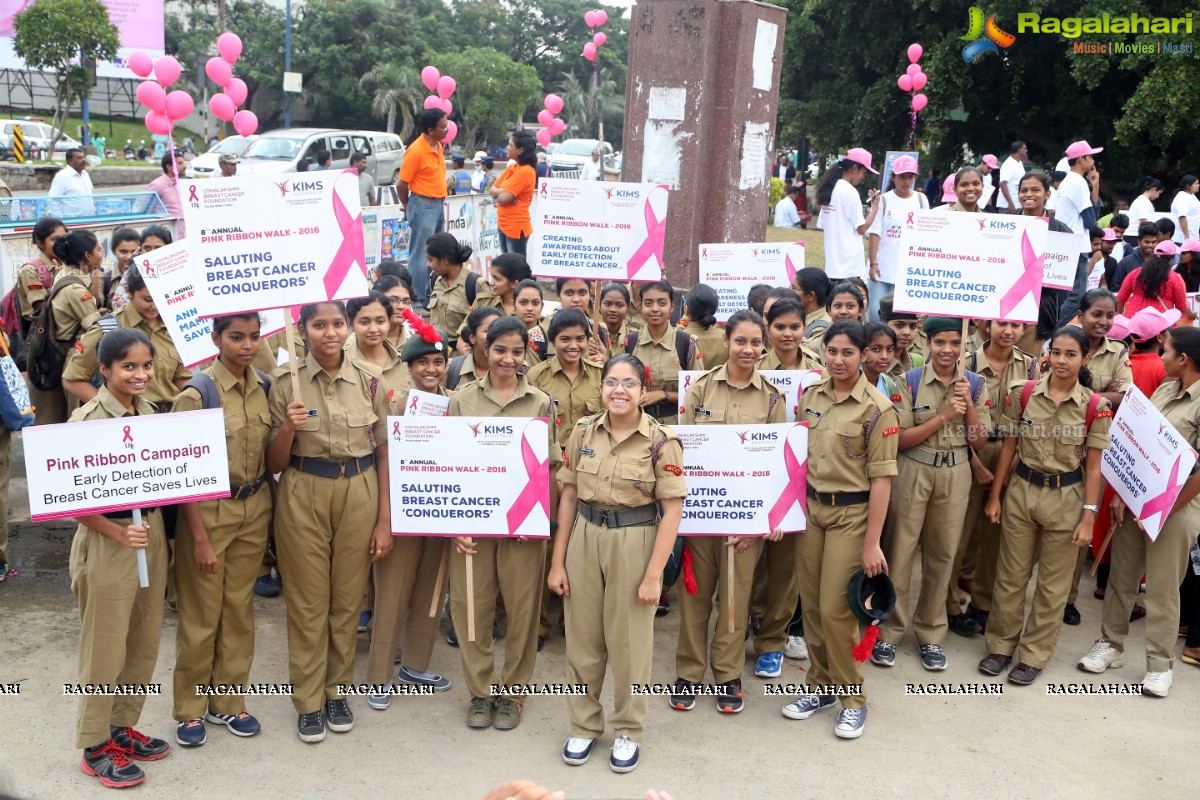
x=1082, y=148
x=905, y=165
x=948, y=193
x=1150, y=322
x=1111, y=236
x=1190, y=246
x=991, y=161
x=860, y=156
x=1166, y=248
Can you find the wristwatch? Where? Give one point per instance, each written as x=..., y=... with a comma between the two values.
x=1092, y=507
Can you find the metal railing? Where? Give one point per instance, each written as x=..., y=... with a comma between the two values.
x=79, y=209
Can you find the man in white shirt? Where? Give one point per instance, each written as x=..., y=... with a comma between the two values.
x=786, y=213
x=1077, y=195
x=594, y=169
x=1011, y=172
x=478, y=176
x=987, y=165
x=73, y=180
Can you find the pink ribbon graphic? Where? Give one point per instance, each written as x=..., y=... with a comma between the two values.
x=351, y=251
x=536, y=491
x=656, y=237
x=687, y=381
x=192, y=196
x=413, y=406
x=396, y=428
x=910, y=218
x=1163, y=502
x=128, y=436
x=1030, y=281
x=794, y=492
x=790, y=267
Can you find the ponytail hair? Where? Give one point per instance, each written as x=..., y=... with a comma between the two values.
x=830, y=179
x=701, y=303
x=1153, y=276
x=71, y=248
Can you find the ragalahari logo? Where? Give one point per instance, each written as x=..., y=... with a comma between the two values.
x=983, y=37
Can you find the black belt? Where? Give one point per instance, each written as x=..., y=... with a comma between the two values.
x=838, y=498
x=994, y=438
x=663, y=409
x=619, y=517
x=241, y=491
x=1049, y=480
x=328, y=468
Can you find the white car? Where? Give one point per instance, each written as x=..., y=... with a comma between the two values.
x=205, y=165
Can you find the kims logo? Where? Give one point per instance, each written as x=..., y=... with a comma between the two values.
x=982, y=37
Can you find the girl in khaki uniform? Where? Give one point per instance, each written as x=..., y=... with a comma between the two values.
x=399, y=295
x=506, y=567
x=577, y=293
x=1164, y=562
x=528, y=300
x=700, y=306
x=333, y=514
x=657, y=347
x=614, y=311
x=732, y=394
x=852, y=445
x=1049, y=508
x=505, y=272
x=812, y=286
x=448, y=300
x=370, y=347
x=32, y=290
x=846, y=301
x=466, y=368
x=220, y=544
x=609, y=555
x=405, y=578
x=785, y=332
x=76, y=306
x=120, y=624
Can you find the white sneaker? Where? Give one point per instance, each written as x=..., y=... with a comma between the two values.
x=796, y=648
x=851, y=722
x=1102, y=656
x=577, y=751
x=624, y=756
x=1157, y=683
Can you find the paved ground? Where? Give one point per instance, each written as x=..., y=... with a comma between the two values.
x=1021, y=744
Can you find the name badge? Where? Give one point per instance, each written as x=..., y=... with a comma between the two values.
x=312, y=412
x=1026, y=421
x=921, y=408
x=586, y=451
x=813, y=413
x=703, y=411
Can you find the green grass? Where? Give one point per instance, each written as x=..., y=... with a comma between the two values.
x=814, y=242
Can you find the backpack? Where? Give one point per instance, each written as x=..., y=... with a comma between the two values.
x=47, y=354
x=913, y=379
x=207, y=387
x=683, y=345
x=10, y=309
x=472, y=287
x=16, y=412
x=454, y=372
x=1093, y=405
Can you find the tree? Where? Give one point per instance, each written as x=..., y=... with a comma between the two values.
x=580, y=105
x=493, y=92
x=65, y=36
x=397, y=90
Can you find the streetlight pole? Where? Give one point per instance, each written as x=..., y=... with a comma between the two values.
x=287, y=62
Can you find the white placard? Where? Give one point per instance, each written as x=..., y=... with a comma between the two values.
x=1062, y=259
x=766, y=40
x=469, y=476
x=107, y=465
x=981, y=266
x=667, y=103
x=599, y=231
x=743, y=480
x=791, y=382
x=269, y=241
x=731, y=269
x=1148, y=462
x=755, y=144
x=425, y=404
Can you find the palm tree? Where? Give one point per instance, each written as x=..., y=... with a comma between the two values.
x=396, y=92
x=579, y=104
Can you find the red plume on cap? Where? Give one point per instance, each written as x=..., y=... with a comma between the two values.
x=420, y=327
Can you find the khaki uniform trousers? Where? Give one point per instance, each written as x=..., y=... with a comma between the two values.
x=727, y=652
x=52, y=406
x=5, y=476
x=214, y=644
x=777, y=563
x=1164, y=562
x=1080, y=562
x=828, y=555
x=607, y=626
x=1038, y=525
x=928, y=507
x=404, y=583
x=120, y=625
x=323, y=538
x=502, y=568
x=980, y=543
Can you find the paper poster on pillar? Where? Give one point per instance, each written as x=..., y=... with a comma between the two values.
x=744, y=480
x=598, y=230
x=983, y=266
x=268, y=241
x=733, y=268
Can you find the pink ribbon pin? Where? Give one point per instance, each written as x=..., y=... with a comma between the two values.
x=652, y=245
x=794, y=492
x=192, y=196
x=1162, y=503
x=537, y=490
x=1030, y=281
x=351, y=251
x=128, y=436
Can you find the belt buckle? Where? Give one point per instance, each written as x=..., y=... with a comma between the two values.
x=603, y=517
x=833, y=498
x=341, y=469
x=940, y=459
x=1046, y=480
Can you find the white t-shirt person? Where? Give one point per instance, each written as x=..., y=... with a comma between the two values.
x=1140, y=210
x=1186, y=205
x=786, y=215
x=840, y=219
x=1011, y=172
x=1074, y=197
x=889, y=221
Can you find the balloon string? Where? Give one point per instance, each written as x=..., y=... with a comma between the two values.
x=912, y=134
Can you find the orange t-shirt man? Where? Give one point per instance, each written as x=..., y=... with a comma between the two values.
x=513, y=218
x=424, y=169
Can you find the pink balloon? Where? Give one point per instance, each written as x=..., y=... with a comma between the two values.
x=905, y=83
x=554, y=103
x=599, y=39
x=237, y=91
x=557, y=126
x=245, y=122
x=914, y=52
x=166, y=70
x=229, y=45
x=141, y=64
x=919, y=80
x=222, y=107
x=919, y=102
x=590, y=19
x=913, y=69
x=601, y=17
x=544, y=118
x=448, y=107
x=589, y=51
x=446, y=86
x=429, y=77
x=218, y=70
x=543, y=137
x=158, y=122
x=451, y=132
x=152, y=96
x=433, y=101
x=179, y=104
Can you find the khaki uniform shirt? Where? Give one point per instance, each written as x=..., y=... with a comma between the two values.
x=662, y=359
x=1021, y=367
x=168, y=368
x=576, y=399
x=448, y=306
x=808, y=360
x=106, y=406
x=820, y=315
x=850, y=441
x=711, y=347
x=713, y=400
x=349, y=422
x=1053, y=436
x=1111, y=361
x=478, y=399
x=612, y=474
x=30, y=288
x=75, y=309
x=395, y=377
x=932, y=397
x=247, y=420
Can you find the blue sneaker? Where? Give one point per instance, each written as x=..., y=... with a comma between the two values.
x=242, y=724
x=806, y=705
x=267, y=585
x=191, y=733
x=769, y=665
x=364, y=619
x=418, y=678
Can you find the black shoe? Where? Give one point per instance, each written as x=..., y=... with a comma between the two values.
x=730, y=701
x=979, y=615
x=664, y=606
x=311, y=727
x=138, y=746
x=267, y=585
x=452, y=637
x=110, y=763
x=994, y=663
x=964, y=625
x=340, y=717
x=541, y=643
x=755, y=626
x=1071, y=615
x=683, y=696
x=1023, y=674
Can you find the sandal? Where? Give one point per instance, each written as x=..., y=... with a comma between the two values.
x=1190, y=659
